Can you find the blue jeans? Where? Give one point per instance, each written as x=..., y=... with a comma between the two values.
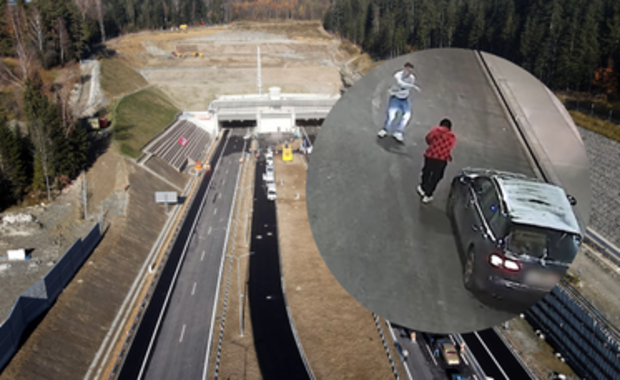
x=395, y=105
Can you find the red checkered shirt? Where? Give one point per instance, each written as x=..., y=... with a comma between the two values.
x=441, y=141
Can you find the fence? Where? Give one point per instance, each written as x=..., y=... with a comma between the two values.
x=590, y=344
x=34, y=301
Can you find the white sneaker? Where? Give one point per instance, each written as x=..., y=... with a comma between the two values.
x=382, y=133
x=420, y=191
x=398, y=137
x=427, y=199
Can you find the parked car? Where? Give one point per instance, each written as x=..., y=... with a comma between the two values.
x=449, y=354
x=517, y=235
x=271, y=192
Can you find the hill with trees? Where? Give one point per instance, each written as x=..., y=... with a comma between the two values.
x=568, y=44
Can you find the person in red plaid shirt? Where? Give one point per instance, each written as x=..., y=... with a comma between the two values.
x=440, y=140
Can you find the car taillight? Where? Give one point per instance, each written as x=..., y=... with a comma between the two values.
x=496, y=261
x=500, y=262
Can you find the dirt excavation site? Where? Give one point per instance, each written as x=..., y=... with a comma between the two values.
x=75, y=338
x=290, y=54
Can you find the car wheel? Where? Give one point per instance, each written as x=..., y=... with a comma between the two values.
x=469, y=269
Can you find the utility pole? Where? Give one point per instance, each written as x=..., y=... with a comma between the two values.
x=84, y=197
x=260, y=86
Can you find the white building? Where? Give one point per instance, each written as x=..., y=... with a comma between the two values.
x=272, y=112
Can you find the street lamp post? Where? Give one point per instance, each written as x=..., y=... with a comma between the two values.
x=239, y=288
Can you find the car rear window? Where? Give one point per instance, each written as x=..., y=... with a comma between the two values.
x=543, y=243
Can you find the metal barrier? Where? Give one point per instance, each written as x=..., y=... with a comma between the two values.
x=589, y=342
x=40, y=296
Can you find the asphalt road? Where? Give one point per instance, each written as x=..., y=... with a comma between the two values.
x=395, y=255
x=490, y=352
x=176, y=347
x=496, y=360
x=276, y=349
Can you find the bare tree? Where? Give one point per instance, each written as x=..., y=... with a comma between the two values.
x=64, y=40
x=94, y=9
x=36, y=31
x=41, y=142
x=24, y=54
x=7, y=74
x=100, y=18
x=63, y=96
x=176, y=6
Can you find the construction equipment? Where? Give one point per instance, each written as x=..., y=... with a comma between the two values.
x=183, y=27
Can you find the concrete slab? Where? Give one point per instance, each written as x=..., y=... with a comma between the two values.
x=395, y=255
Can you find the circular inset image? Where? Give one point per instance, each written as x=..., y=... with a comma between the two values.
x=448, y=190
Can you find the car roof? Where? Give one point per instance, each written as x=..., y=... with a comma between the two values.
x=537, y=203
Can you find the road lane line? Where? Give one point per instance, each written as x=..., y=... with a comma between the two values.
x=203, y=256
x=215, y=211
x=491, y=355
x=430, y=353
x=176, y=272
x=182, y=333
x=219, y=277
x=194, y=288
x=209, y=232
x=394, y=339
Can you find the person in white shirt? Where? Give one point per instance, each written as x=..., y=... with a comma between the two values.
x=399, y=101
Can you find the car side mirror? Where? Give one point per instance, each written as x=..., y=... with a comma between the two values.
x=572, y=200
x=465, y=180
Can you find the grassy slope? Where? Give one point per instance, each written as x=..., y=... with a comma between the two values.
x=139, y=117
x=602, y=127
x=118, y=78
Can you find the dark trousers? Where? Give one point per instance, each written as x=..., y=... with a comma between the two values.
x=432, y=173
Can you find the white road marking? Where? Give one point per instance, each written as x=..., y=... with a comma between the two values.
x=194, y=288
x=209, y=232
x=215, y=211
x=182, y=333
x=430, y=353
x=224, y=181
x=203, y=256
x=491, y=355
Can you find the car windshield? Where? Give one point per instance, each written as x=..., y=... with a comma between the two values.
x=542, y=243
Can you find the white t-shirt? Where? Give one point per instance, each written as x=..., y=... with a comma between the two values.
x=403, y=85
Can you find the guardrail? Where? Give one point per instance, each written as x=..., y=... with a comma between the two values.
x=585, y=338
x=590, y=343
x=602, y=246
x=40, y=296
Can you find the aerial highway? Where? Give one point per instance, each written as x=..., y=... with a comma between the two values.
x=173, y=339
x=276, y=348
x=485, y=355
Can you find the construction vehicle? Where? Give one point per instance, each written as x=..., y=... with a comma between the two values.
x=196, y=54
x=183, y=27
